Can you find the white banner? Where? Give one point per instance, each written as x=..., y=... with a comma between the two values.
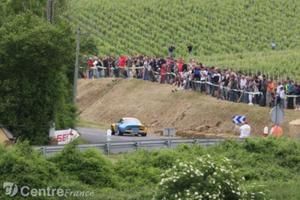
x=65, y=136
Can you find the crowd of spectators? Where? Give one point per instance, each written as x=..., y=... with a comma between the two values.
x=225, y=84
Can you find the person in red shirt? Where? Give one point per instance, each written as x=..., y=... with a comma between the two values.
x=90, y=64
x=180, y=64
x=163, y=71
x=122, y=61
x=122, y=64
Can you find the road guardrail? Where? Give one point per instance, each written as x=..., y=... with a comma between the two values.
x=113, y=147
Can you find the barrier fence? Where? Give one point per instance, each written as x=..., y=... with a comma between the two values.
x=240, y=95
x=114, y=147
x=226, y=93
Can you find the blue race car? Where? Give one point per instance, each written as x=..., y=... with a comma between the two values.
x=128, y=125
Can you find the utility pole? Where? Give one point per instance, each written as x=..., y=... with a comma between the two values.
x=76, y=65
x=50, y=11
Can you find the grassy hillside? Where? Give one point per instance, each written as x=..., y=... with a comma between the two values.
x=107, y=100
x=277, y=64
x=221, y=26
x=223, y=32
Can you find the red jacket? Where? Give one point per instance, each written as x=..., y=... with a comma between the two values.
x=90, y=63
x=122, y=61
x=180, y=65
x=163, y=70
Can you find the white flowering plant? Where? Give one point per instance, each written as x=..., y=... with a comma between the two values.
x=203, y=178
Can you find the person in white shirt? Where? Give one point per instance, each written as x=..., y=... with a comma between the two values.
x=245, y=130
x=243, y=82
x=278, y=88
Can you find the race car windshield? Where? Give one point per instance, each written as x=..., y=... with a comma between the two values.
x=126, y=120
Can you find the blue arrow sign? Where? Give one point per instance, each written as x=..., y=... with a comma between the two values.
x=239, y=119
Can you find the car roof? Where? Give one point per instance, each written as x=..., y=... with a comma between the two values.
x=130, y=119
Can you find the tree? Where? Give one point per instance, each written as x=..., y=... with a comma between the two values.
x=10, y=8
x=34, y=89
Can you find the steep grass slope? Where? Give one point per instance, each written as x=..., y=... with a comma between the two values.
x=221, y=26
x=107, y=100
x=223, y=32
x=276, y=64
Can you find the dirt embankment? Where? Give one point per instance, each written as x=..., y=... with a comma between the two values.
x=191, y=113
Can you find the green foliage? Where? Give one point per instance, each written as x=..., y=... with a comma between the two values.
x=268, y=164
x=217, y=30
x=253, y=158
x=88, y=46
x=10, y=8
x=34, y=58
x=203, y=178
x=25, y=167
x=35, y=6
x=89, y=167
x=276, y=64
x=284, y=190
x=143, y=167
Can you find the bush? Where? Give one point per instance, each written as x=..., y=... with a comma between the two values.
x=144, y=167
x=203, y=178
x=137, y=170
x=253, y=157
x=23, y=166
x=89, y=167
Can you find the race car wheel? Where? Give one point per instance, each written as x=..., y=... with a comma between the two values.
x=144, y=134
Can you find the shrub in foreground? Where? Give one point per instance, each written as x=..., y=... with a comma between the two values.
x=23, y=166
x=89, y=167
x=203, y=178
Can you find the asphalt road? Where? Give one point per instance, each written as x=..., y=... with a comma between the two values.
x=96, y=135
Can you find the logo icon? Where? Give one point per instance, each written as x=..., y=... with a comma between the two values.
x=11, y=189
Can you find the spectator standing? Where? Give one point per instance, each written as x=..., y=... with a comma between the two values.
x=245, y=130
x=90, y=64
x=243, y=86
x=290, y=91
x=180, y=64
x=233, y=86
x=203, y=77
x=281, y=97
x=270, y=91
x=163, y=72
x=128, y=67
x=122, y=65
x=263, y=90
x=216, y=78
x=171, y=50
